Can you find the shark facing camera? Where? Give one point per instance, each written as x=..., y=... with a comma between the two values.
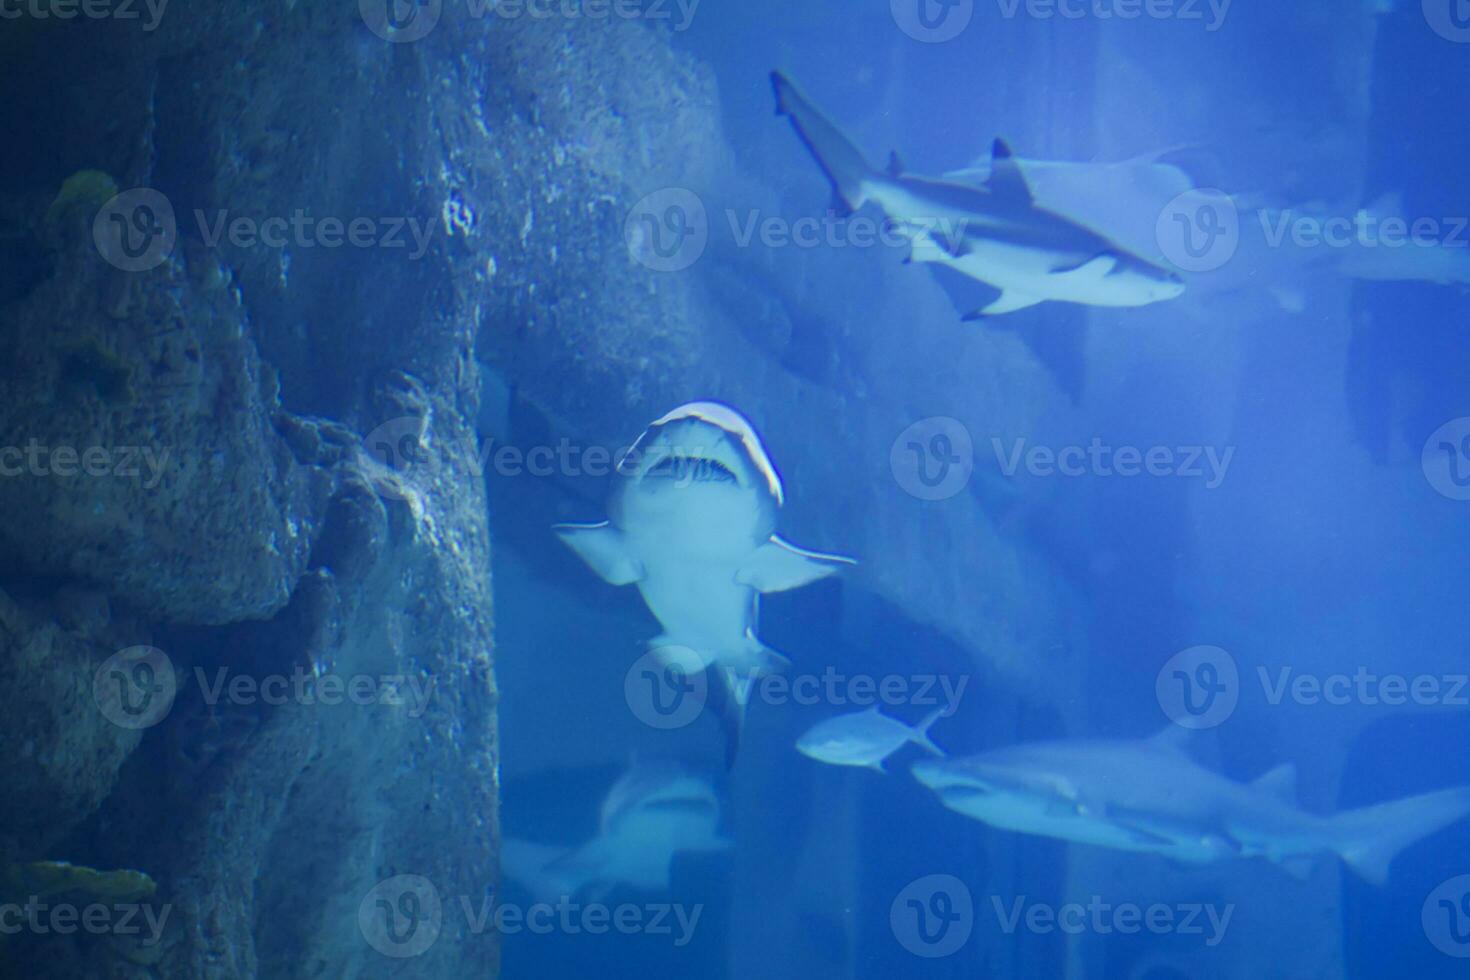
x=692, y=524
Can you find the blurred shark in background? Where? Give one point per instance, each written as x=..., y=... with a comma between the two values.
x=653, y=813
x=1149, y=796
x=692, y=521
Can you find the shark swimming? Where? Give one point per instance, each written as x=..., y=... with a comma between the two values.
x=692, y=522
x=1149, y=796
x=653, y=813
x=994, y=233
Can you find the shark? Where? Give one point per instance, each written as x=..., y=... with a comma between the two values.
x=996, y=233
x=653, y=813
x=866, y=738
x=692, y=523
x=1149, y=796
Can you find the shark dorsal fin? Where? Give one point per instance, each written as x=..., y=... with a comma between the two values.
x=1006, y=179
x=895, y=164
x=1173, y=738
x=1279, y=783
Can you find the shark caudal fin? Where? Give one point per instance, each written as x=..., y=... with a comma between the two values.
x=1370, y=838
x=733, y=678
x=840, y=160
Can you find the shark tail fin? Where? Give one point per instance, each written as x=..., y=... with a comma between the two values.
x=1370, y=838
x=730, y=697
x=839, y=158
x=921, y=738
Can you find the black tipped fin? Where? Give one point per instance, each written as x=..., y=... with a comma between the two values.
x=1006, y=178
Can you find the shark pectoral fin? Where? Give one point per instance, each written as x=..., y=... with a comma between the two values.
x=1093, y=269
x=777, y=566
x=1006, y=178
x=604, y=550
x=1009, y=302
x=1279, y=783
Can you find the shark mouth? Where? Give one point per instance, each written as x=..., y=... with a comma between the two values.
x=684, y=470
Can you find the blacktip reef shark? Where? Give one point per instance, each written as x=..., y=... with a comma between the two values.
x=996, y=234
x=1149, y=796
x=653, y=813
x=692, y=522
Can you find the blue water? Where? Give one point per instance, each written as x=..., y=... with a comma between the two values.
x=1329, y=549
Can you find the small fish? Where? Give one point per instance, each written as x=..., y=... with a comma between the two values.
x=865, y=738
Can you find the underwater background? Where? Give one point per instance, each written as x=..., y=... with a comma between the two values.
x=320, y=321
